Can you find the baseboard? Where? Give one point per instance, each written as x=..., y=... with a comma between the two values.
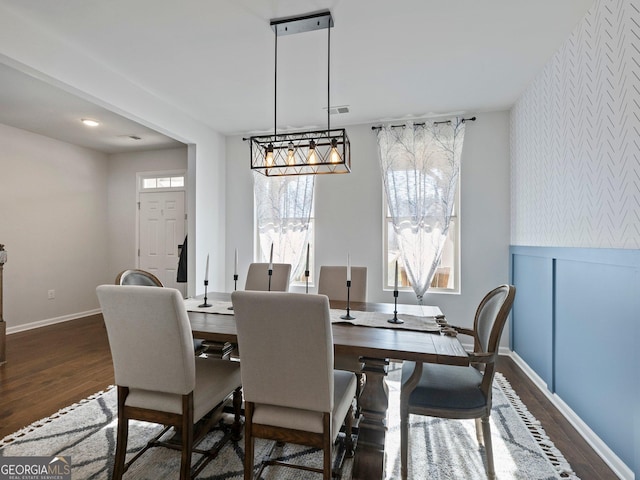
x=51, y=321
x=610, y=458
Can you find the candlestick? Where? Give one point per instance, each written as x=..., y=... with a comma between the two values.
x=395, y=318
x=206, y=270
x=348, y=316
x=306, y=272
x=235, y=287
x=270, y=267
x=205, y=304
x=348, y=267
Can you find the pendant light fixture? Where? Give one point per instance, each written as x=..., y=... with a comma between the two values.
x=301, y=153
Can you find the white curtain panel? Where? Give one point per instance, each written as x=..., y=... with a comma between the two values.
x=420, y=167
x=283, y=209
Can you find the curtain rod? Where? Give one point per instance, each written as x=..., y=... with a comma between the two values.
x=472, y=119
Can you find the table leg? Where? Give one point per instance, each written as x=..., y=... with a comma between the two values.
x=369, y=456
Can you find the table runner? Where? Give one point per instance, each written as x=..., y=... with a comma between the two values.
x=362, y=319
x=380, y=320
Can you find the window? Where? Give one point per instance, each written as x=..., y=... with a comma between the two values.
x=284, y=218
x=154, y=183
x=447, y=275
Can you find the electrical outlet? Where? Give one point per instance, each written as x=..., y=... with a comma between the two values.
x=51, y=294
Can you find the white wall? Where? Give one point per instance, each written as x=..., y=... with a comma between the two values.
x=122, y=198
x=349, y=215
x=53, y=220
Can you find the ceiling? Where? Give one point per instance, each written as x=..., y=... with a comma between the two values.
x=215, y=61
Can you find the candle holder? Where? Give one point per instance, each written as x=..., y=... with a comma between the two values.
x=395, y=320
x=306, y=281
x=235, y=287
x=270, y=275
x=348, y=316
x=205, y=304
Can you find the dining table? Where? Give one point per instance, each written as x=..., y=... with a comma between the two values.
x=376, y=346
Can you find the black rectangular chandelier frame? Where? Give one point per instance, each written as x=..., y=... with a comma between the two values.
x=291, y=153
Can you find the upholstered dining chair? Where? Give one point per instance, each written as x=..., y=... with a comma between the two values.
x=258, y=277
x=449, y=391
x=138, y=277
x=158, y=378
x=292, y=392
x=332, y=282
x=147, y=279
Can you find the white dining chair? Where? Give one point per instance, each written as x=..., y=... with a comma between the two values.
x=157, y=376
x=292, y=392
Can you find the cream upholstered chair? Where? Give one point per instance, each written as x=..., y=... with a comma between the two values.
x=258, y=277
x=157, y=376
x=292, y=392
x=332, y=282
x=449, y=391
x=138, y=277
x=147, y=279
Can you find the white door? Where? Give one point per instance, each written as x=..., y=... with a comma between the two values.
x=161, y=233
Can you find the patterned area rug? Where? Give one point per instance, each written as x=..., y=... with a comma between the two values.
x=439, y=449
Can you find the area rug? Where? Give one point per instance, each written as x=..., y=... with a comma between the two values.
x=439, y=449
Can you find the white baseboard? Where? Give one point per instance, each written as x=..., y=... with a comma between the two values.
x=51, y=321
x=610, y=458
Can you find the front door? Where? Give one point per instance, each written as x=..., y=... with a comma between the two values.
x=161, y=233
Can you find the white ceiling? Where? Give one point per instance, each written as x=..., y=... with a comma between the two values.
x=214, y=58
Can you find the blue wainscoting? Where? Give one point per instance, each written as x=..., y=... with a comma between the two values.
x=576, y=323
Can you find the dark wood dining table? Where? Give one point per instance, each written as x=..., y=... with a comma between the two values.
x=376, y=347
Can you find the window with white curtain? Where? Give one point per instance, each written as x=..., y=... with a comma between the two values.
x=446, y=278
x=284, y=218
x=420, y=166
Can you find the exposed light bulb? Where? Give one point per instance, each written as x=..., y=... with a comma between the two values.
x=312, y=158
x=290, y=154
x=334, y=155
x=268, y=160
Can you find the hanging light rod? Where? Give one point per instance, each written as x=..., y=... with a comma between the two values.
x=472, y=119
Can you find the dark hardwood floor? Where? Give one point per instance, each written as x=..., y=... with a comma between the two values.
x=52, y=367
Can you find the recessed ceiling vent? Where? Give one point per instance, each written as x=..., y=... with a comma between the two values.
x=338, y=110
x=132, y=137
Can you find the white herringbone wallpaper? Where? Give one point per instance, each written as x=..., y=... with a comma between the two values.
x=575, y=138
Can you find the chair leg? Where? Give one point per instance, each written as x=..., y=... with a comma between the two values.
x=488, y=448
x=248, y=441
x=404, y=441
x=121, y=435
x=327, y=471
x=187, y=436
x=479, y=432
